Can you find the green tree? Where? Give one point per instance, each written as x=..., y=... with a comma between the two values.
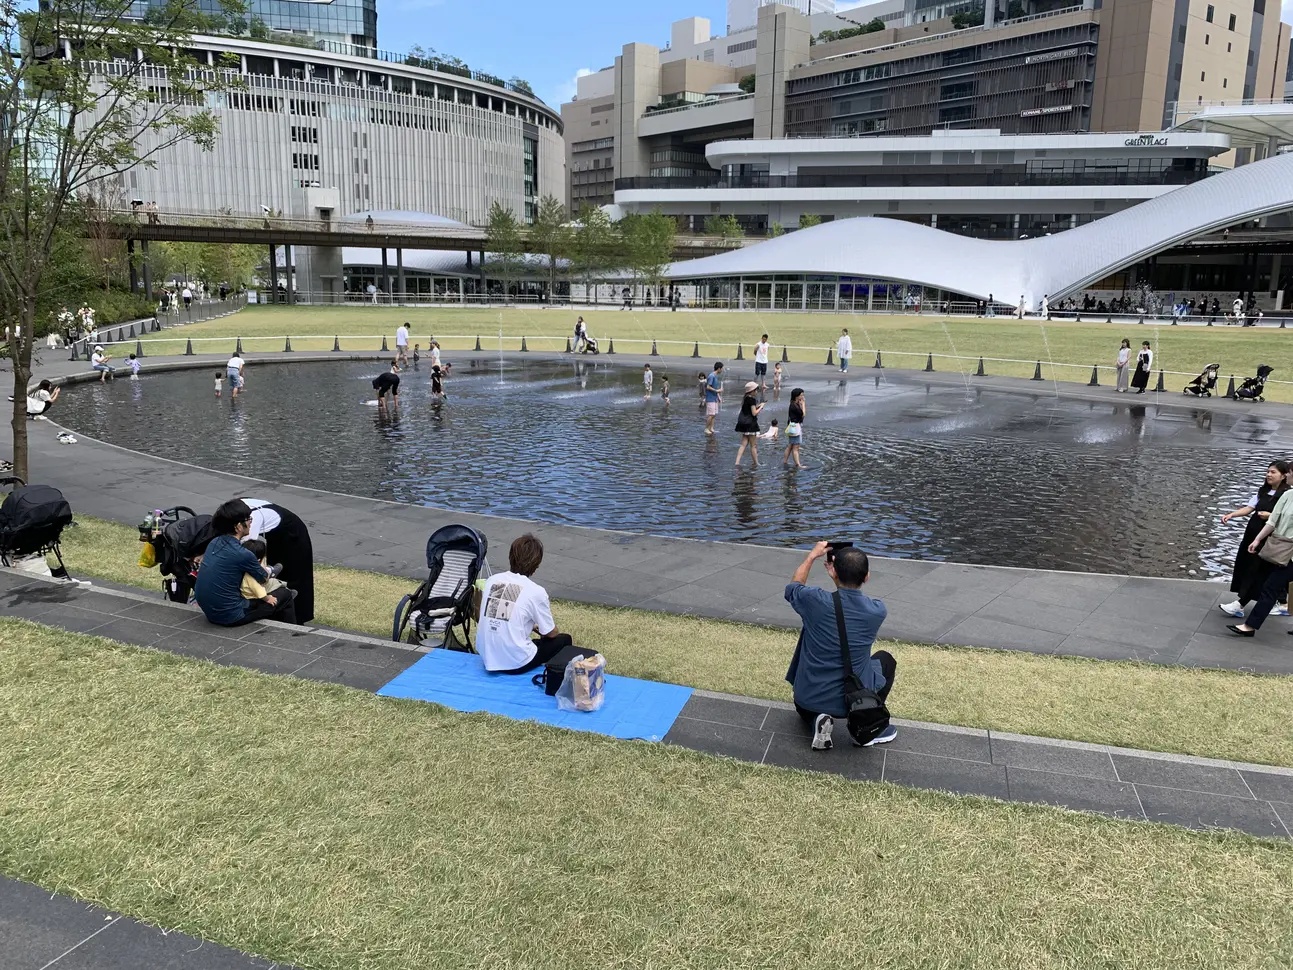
x=594, y=247
x=747, y=84
x=551, y=235
x=520, y=84
x=809, y=219
x=68, y=125
x=648, y=244
x=258, y=29
x=504, y=234
x=776, y=229
x=725, y=227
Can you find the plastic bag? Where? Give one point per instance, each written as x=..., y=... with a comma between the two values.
x=147, y=556
x=584, y=686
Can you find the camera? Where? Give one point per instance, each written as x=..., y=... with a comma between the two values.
x=831, y=548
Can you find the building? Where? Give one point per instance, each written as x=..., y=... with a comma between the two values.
x=347, y=23
x=1027, y=67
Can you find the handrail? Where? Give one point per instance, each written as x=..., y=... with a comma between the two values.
x=709, y=102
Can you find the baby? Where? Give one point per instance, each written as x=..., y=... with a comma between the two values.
x=776, y=376
x=771, y=433
x=252, y=588
x=219, y=381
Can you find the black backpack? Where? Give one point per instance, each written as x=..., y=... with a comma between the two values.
x=867, y=714
x=180, y=542
x=32, y=518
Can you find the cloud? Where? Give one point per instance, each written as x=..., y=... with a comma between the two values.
x=566, y=89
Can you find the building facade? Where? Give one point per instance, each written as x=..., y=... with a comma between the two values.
x=351, y=23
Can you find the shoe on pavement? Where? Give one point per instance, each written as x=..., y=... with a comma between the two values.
x=822, y=728
x=1281, y=609
x=884, y=737
x=1231, y=609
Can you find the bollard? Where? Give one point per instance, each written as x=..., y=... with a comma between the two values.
x=695, y=353
x=524, y=349
x=1174, y=321
x=929, y=365
x=610, y=349
x=740, y=353
x=1095, y=377
x=1079, y=318
x=1037, y=374
x=385, y=349
x=830, y=361
x=188, y=348
x=75, y=355
x=654, y=352
x=139, y=349
x=1230, y=391
x=1160, y=388
x=287, y=345
x=1281, y=323
x=785, y=357
x=132, y=332
x=878, y=365
x=979, y=372
x=336, y=344
x=1108, y=319
x=238, y=350
x=569, y=349
x=1209, y=321
x=478, y=343
x=157, y=327
x=1141, y=320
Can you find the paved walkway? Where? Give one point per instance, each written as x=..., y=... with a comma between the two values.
x=1076, y=614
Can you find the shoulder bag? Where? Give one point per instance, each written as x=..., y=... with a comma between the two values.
x=1277, y=550
x=867, y=714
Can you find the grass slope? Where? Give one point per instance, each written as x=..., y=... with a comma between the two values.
x=1219, y=714
x=327, y=828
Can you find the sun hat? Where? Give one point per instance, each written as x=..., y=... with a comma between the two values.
x=751, y=386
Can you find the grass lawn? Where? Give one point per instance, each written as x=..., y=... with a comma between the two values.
x=905, y=340
x=327, y=828
x=1210, y=713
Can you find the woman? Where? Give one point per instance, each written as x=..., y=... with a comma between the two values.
x=794, y=427
x=41, y=400
x=1124, y=358
x=1144, y=362
x=287, y=542
x=1280, y=525
x=747, y=424
x=1251, y=571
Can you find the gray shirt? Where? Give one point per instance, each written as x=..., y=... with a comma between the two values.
x=817, y=671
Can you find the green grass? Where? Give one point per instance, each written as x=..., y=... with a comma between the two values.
x=327, y=828
x=1209, y=713
x=906, y=340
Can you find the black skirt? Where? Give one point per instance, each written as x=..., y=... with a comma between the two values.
x=290, y=545
x=1251, y=570
x=1140, y=379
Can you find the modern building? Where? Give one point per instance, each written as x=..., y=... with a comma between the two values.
x=349, y=23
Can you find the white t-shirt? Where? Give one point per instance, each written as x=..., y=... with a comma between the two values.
x=1124, y=355
x=187, y=294
x=511, y=607
x=235, y=363
x=37, y=400
x=402, y=337
x=845, y=346
x=761, y=352
x=99, y=357
x=263, y=518
x=647, y=378
x=435, y=356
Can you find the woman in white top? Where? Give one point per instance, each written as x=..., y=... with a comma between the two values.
x=41, y=400
x=1123, y=364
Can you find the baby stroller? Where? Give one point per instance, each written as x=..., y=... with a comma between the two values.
x=1253, y=388
x=1205, y=383
x=32, y=520
x=441, y=608
x=590, y=344
x=178, y=536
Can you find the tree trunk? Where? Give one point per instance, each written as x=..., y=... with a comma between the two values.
x=21, y=377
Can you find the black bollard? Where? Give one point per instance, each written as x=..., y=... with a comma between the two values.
x=929, y=364
x=1161, y=387
x=1095, y=377
x=1079, y=318
x=287, y=345
x=1281, y=323
x=1108, y=319
x=569, y=349
x=878, y=364
x=157, y=327
x=1141, y=320
x=336, y=344
x=188, y=348
x=1037, y=374
x=979, y=372
x=830, y=360
x=740, y=353
x=785, y=357
x=478, y=343
x=1174, y=321
x=238, y=350
x=524, y=349
x=132, y=332
x=1209, y=321
x=1230, y=391
x=654, y=352
x=75, y=355
x=695, y=353
x=385, y=349
x=139, y=349
x=610, y=348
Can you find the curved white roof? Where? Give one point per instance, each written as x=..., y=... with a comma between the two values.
x=1054, y=265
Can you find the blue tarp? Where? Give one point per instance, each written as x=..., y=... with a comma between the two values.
x=633, y=708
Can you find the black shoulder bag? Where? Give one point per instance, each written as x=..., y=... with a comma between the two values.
x=867, y=715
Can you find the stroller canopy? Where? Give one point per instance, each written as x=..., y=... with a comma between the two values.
x=32, y=518
x=458, y=537
x=181, y=541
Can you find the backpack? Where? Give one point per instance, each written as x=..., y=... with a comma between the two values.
x=180, y=542
x=32, y=519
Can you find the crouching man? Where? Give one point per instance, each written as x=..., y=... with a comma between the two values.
x=512, y=608
x=817, y=669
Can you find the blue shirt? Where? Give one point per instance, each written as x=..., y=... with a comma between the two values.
x=817, y=670
x=219, y=585
x=713, y=385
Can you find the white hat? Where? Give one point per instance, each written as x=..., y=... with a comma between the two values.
x=751, y=386
x=98, y=346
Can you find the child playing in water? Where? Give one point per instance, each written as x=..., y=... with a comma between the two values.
x=776, y=376
x=702, y=378
x=134, y=367
x=771, y=433
x=219, y=381
x=647, y=378
x=417, y=353
x=437, y=382
x=664, y=389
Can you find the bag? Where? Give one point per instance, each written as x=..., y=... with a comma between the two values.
x=1277, y=550
x=554, y=671
x=793, y=428
x=584, y=685
x=867, y=714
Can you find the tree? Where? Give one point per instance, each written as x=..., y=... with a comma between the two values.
x=551, y=236
x=746, y=84
x=258, y=29
x=593, y=246
x=648, y=243
x=69, y=124
x=725, y=227
x=522, y=85
x=101, y=207
x=776, y=229
x=870, y=27
x=504, y=243
x=809, y=219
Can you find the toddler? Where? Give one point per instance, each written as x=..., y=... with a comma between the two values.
x=417, y=353
x=647, y=378
x=701, y=377
x=437, y=381
x=776, y=376
x=771, y=433
x=134, y=367
x=219, y=381
x=664, y=389
x=252, y=588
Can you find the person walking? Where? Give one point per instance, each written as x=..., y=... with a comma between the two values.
x=1278, y=553
x=1144, y=363
x=187, y=296
x=713, y=395
x=402, y=343
x=1123, y=364
x=844, y=348
x=989, y=309
x=234, y=371
x=794, y=427
x=747, y=424
x=761, y=361
x=1023, y=306
x=1251, y=571
x=1046, y=307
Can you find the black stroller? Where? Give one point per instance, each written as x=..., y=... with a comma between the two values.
x=1253, y=388
x=32, y=520
x=441, y=608
x=178, y=537
x=1205, y=383
x=590, y=345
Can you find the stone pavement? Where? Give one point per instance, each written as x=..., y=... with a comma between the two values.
x=1075, y=614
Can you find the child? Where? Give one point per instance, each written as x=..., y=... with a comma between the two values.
x=702, y=378
x=417, y=353
x=219, y=381
x=437, y=382
x=664, y=389
x=647, y=378
x=253, y=589
x=776, y=377
x=134, y=367
x=771, y=433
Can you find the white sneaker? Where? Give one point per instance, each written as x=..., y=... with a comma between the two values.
x=1231, y=609
x=1281, y=609
x=822, y=732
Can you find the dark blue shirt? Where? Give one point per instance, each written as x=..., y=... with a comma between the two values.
x=817, y=670
x=219, y=584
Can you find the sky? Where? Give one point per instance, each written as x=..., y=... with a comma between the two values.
x=548, y=44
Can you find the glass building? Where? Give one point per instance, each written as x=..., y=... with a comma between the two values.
x=346, y=22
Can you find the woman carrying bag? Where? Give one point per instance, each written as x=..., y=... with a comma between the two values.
x=1274, y=543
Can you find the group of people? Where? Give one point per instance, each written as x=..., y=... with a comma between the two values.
x=1139, y=378
x=747, y=420
x=388, y=382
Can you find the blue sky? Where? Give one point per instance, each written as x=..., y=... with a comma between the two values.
x=547, y=44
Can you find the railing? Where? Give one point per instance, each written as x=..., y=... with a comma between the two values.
x=910, y=180
x=231, y=220
x=708, y=103
x=135, y=331
x=1184, y=111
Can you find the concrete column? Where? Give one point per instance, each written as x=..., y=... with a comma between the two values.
x=273, y=273
x=989, y=13
x=482, y=272
x=870, y=297
x=637, y=87
x=782, y=36
x=1276, y=266
x=287, y=267
x=130, y=259
x=399, y=270
x=148, y=273
x=386, y=274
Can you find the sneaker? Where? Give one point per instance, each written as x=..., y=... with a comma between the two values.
x=1231, y=609
x=822, y=732
x=884, y=737
x=1281, y=609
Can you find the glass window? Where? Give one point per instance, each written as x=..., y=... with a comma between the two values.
x=1232, y=22
x=1211, y=11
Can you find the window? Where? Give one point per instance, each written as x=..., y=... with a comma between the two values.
x=1228, y=46
x=1206, y=38
x=1180, y=34
x=1203, y=75
x=709, y=56
x=1225, y=81
x=1232, y=22
x=745, y=45
x=1211, y=11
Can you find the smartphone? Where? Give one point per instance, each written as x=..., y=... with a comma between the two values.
x=832, y=546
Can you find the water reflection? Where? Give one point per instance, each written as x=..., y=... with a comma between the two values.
x=904, y=467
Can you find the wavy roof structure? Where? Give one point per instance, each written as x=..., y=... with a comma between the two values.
x=1056, y=265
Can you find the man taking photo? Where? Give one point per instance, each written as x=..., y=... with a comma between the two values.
x=817, y=670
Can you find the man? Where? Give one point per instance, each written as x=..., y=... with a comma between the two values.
x=371, y=289
x=1022, y=310
x=402, y=343
x=388, y=383
x=218, y=589
x=844, y=348
x=761, y=360
x=581, y=339
x=817, y=671
x=1046, y=306
x=713, y=395
x=100, y=363
x=512, y=607
x=187, y=296
x=233, y=370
